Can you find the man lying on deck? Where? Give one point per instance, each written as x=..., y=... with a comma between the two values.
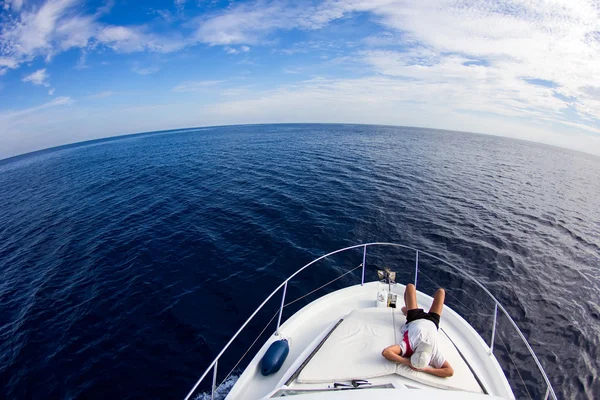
x=419, y=348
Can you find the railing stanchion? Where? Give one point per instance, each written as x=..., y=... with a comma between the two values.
x=281, y=308
x=362, y=281
x=214, y=383
x=416, y=268
x=494, y=327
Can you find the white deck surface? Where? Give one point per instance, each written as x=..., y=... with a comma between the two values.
x=354, y=352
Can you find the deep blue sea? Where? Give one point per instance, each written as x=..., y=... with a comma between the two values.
x=126, y=264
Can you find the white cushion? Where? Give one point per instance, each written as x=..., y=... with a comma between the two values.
x=353, y=351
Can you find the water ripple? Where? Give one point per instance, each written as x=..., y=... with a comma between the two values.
x=126, y=264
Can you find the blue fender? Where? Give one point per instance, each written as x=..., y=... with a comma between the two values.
x=274, y=357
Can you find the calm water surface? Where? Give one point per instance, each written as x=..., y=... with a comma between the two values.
x=126, y=264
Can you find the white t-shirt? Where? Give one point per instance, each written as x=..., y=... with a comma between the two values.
x=419, y=330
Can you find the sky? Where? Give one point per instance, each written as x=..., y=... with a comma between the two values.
x=72, y=70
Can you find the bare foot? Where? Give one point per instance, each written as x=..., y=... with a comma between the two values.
x=404, y=310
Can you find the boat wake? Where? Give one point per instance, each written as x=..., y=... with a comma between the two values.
x=222, y=391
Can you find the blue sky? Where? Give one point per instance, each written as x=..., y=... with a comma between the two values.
x=73, y=70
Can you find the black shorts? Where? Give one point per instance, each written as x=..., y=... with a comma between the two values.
x=418, y=313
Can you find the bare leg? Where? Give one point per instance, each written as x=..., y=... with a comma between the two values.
x=410, y=298
x=438, y=301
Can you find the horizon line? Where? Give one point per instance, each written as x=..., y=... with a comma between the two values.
x=82, y=143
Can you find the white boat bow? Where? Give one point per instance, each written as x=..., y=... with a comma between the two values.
x=335, y=346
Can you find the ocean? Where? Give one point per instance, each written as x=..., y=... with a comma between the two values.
x=127, y=263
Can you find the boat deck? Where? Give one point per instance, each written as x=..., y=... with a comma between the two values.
x=340, y=336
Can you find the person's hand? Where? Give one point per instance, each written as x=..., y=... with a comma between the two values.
x=405, y=361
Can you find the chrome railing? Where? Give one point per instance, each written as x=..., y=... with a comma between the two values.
x=549, y=393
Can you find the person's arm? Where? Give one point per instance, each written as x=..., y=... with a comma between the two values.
x=393, y=353
x=445, y=371
x=404, y=360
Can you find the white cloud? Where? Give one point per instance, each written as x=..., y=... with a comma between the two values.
x=75, y=32
x=6, y=117
x=134, y=39
x=145, y=70
x=233, y=50
x=58, y=25
x=469, y=86
x=8, y=62
x=51, y=92
x=380, y=100
x=475, y=54
x=26, y=130
x=180, y=4
x=39, y=77
x=13, y=5
x=551, y=41
x=81, y=62
x=293, y=70
x=105, y=8
x=246, y=23
x=196, y=86
x=463, y=62
x=386, y=100
x=34, y=32
x=250, y=23
x=122, y=39
x=101, y=95
x=166, y=15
